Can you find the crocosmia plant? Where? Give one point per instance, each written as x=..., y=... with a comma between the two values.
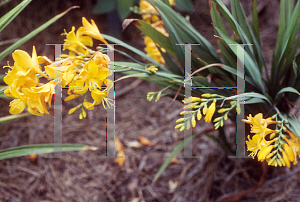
x=177, y=54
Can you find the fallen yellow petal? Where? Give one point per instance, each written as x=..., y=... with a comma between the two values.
x=146, y=141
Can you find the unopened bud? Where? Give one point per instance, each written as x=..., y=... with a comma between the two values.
x=206, y=95
x=74, y=109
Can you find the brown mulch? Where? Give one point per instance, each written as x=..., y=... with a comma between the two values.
x=84, y=176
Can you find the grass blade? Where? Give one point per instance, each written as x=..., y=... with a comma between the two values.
x=33, y=33
x=175, y=151
x=40, y=149
x=14, y=117
x=7, y=18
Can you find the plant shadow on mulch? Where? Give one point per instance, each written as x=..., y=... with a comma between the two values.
x=84, y=176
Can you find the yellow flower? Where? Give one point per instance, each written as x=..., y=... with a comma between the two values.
x=288, y=150
x=149, y=13
x=77, y=43
x=68, y=69
x=151, y=68
x=17, y=106
x=172, y=2
x=91, y=75
x=286, y=159
x=88, y=105
x=19, y=81
x=258, y=144
x=101, y=60
x=210, y=112
x=98, y=97
x=264, y=152
x=252, y=144
x=259, y=120
x=259, y=125
x=92, y=30
x=294, y=145
x=23, y=74
x=38, y=97
x=25, y=62
x=152, y=50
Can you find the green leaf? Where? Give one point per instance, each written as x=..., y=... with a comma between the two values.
x=250, y=66
x=40, y=149
x=167, y=2
x=253, y=101
x=175, y=151
x=172, y=66
x=104, y=6
x=123, y=7
x=184, y=5
x=7, y=18
x=289, y=25
x=9, y=41
x=216, y=18
x=175, y=40
x=33, y=33
x=228, y=55
x=157, y=37
x=247, y=96
x=239, y=23
x=133, y=75
x=255, y=21
x=286, y=90
x=3, y=2
x=10, y=118
x=3, y=89
x=135, y=50
x=293, y=124
x=188, y=33
x=2, y=77
x=160, y=78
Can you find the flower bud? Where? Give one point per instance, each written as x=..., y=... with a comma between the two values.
x=205, y=109
x=150, y=96
x=158, y=96
x=180, y=120
x=71, y=111
x=206, y=95
x=238, y=109
x=199, y=115
x=182, y=128
x=223, y=110
x=193, y=123
x=218, y=119
x=178, y=126
x=185, y=113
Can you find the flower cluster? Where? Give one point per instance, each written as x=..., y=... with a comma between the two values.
x=150, y=15
x=196, y=105
x=25, y=87
x=278, y=146
x=81, y=70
